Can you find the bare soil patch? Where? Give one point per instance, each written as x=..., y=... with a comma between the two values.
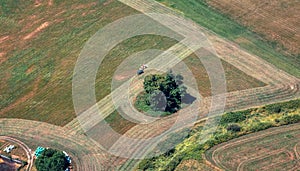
x=50, y=2
x=2, y=57
x=37, y=30
x=37, y=3
x=4, y=38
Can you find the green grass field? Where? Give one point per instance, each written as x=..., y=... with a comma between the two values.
x=211, y=19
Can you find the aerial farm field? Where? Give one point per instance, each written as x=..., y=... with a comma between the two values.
x=39, y=51
x=265, y=31
x=257, y=44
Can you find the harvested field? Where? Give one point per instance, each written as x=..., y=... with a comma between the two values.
x=275, y=148
x=276, y=20
x=53, y=61
x=118, y=123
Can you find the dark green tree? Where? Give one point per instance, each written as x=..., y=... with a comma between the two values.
x=51, y=160
x=164, y=92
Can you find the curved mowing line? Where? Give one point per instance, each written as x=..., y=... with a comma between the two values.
x=215, y=154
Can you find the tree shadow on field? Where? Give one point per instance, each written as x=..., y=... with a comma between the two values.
x=188, y=99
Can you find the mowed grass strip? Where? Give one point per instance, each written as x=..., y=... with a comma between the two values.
x=206, y=16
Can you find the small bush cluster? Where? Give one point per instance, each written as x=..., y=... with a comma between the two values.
x=234, y=117
x=291, y=119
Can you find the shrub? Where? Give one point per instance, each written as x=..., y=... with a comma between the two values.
x=174, y=163
x=172, y=140
x=279, y=107
x=234, y=128
x=260, y=126
x=277, y=120
x=147, y=164
x=235, y=116
x=290, y=119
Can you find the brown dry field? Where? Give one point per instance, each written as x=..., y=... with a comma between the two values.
x=275, y=148
x=276, y=20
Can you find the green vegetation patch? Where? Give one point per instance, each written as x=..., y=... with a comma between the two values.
x=232, y=125
x=162, y=94
x=51, y=159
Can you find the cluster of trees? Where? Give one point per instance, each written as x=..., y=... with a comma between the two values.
x=51, y=160
x=164, y=92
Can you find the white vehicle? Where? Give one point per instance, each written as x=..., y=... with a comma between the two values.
x=9, y=148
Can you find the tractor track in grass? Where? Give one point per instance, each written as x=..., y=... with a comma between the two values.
x=250, y=64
